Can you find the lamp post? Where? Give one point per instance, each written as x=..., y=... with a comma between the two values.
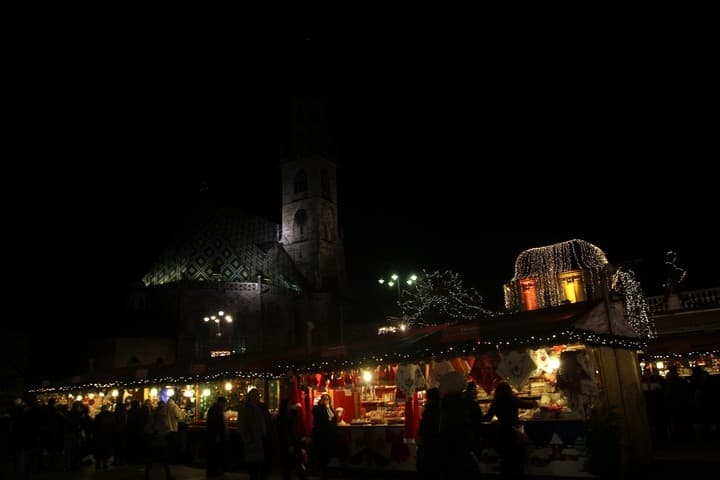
x=394, y=281
x=217, y=319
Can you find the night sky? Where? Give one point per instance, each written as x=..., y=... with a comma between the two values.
x=453, y=153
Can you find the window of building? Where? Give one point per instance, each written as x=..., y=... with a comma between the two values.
x=325, y=184
x=572, y=286
x=300, y=182
x=528, y=290
x=300, y=220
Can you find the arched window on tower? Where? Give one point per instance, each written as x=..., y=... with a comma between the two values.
x=325, y=184
x=300, y=221
x=300, y=182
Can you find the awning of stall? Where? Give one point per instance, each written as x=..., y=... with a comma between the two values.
x=562, y=324
x=586, y=322
x=395, y=347
x=684, y=344
x=687, y=321
x=588, y=315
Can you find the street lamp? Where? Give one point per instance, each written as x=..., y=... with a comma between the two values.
x=394, y=281
x=219, y=317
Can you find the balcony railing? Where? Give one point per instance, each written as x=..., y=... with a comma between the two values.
x=689, y=300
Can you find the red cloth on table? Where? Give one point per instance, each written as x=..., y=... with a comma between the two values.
x=306, y=416
x=412, y=416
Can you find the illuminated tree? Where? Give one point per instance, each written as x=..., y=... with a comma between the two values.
x=440, y=296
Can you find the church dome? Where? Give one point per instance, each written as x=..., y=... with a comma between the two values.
x=226, y=245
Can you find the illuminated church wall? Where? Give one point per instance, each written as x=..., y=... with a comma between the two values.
x=279, y=282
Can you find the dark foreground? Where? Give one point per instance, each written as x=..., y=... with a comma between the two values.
x=686, y=460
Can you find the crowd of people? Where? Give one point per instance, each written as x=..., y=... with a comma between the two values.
x=56, y=437
x=681, y=408
x=451, y=437
x=267, y=439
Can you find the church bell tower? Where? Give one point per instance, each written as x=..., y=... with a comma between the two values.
x=310, y=229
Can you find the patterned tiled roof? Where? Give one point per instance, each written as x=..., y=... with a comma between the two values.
x=229, y=246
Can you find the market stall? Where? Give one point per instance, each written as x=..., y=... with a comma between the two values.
x=578, y=361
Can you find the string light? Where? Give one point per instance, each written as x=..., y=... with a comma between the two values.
x=367, y=360
x=441, y=294
x=679, y=356
x=544, y=264
x=636, y=307
x=677, y=274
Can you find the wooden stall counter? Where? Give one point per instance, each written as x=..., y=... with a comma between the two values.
x=374, y=446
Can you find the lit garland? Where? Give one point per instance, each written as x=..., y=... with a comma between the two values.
x=141, y=382
x=636, y=307
x=543, y=264
x=439, y=295
x=678, y=356
x=370, y=360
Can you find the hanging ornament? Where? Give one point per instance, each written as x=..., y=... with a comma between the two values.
x=516, y=367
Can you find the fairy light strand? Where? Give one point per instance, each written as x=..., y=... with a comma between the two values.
x=441, y=295
x=369, y=360
x=636, y=306
x=544, y=264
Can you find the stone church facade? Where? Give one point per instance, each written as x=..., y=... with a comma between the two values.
x=282, y=284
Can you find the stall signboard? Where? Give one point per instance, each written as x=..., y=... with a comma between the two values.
x=334, y=351
x=460, y=333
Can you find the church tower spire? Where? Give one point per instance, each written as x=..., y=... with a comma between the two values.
x=310, y=227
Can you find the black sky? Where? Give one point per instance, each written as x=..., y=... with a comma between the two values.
x=453, y=153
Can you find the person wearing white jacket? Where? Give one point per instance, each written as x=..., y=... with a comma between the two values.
x=175, y=416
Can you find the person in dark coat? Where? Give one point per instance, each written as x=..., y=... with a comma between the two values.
x=120, y=419
x=428, y=439
x=290, y=447
x=137, y=418
x=217, y=438
x=254, y=430
x=324, y=434
x=102, y=440
x=460, y=427
x=509, y=442
x=53, y=434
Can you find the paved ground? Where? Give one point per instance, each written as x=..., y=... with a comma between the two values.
x=183, y=472
x=688, y=460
